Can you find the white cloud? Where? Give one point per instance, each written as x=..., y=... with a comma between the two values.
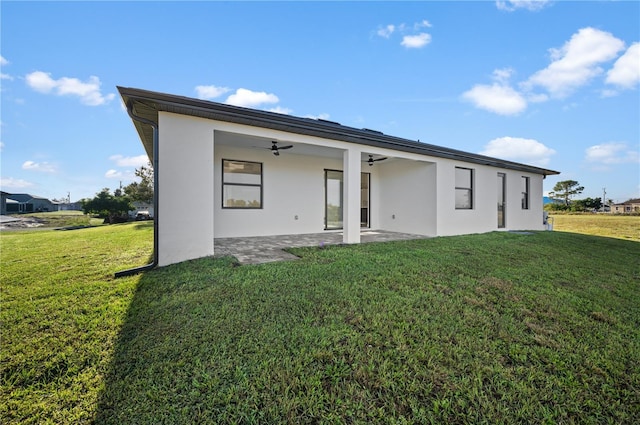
x=8, y=183
x=386, y=31
x=322, y=116
x=120, y=175
x=416, y=41
x=281, y=110
x=498, y=98
x=626, y=71
x=130, y=161
x=612, y=153
x=251, y=99
x=1, y=146
x=577, y=62
x=3, y=76
x=211, y=92
x=528, y=151
x=88, y=92
x=113, y=174
x=42, y=167
x=511, y=5
x=410, y=39
x=503, y=75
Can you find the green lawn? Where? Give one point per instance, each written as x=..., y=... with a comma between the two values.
x=493, y=328
x=610, y=225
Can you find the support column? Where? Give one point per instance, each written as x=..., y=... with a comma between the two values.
x=351, y=208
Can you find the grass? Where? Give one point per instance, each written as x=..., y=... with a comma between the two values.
x=609, y=225
x=493, y=328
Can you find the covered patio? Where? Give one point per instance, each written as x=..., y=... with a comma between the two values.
x=266, y=249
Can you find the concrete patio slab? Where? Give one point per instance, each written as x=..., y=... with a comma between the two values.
x=266, y=249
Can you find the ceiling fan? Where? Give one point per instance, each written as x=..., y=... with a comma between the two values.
x=275, y=149
x=371, y=160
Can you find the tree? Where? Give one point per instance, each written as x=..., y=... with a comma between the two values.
x=587, y=204
x=114, y=209
x=565, y=190
x=142, y=191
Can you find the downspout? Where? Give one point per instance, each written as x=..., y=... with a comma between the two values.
x=154, y=261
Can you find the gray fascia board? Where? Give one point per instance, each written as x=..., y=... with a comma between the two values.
x=308, y=126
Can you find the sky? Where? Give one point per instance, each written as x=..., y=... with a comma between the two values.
x=553, y=84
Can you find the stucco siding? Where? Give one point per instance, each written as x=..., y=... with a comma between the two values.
x=407, y=197
x=410, y=193
x=185, y=212
x=293, y=194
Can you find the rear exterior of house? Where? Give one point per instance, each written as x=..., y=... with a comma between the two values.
x=628, y=207
x=222, y=157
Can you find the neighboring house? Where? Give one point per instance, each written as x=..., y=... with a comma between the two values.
x=630, y=206
x=234, y=165
x=73, y=206
x=13, y=203
x=141, y=207
x=7, y=205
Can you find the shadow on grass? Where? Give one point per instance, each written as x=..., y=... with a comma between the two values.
x=440, y=331
x=166, y=347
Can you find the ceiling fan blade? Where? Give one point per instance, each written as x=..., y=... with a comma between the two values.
x=380, y=159
x=285, y=147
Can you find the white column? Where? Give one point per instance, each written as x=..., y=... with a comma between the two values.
x=351, y=207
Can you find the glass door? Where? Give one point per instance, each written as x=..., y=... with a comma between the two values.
x=333, y=197
x=364, y=199
x=502, y=182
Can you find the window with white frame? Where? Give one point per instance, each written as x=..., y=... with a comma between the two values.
x=464, y=188
x=525, y=192
x=241, y=184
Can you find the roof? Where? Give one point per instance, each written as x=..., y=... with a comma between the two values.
x=630, y=202
x=25, y=197
x=146, y=104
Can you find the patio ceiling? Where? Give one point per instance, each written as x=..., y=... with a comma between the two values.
x=245, y=141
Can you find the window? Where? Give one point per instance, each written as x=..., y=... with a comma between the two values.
x=241, y=184
x=464, y=188
x=525, y=192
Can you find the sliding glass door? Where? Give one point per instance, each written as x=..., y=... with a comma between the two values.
x=334, y=197
x=502, y=183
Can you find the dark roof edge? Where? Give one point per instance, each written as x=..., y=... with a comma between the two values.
x=310, y=126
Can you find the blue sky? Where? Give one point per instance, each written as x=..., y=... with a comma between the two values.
x=552, y=84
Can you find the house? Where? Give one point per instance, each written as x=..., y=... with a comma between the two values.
x=258, y=173
x=630, y=206
x=25, y=203
x=141, y=207
x=7, y=205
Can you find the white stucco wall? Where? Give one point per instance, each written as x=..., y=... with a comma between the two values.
x=483, y=217
x=293, y=194
x=418, y=190
x=407, y=197
x=185, y=211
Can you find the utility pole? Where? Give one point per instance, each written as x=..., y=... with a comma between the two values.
x=604, y=197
